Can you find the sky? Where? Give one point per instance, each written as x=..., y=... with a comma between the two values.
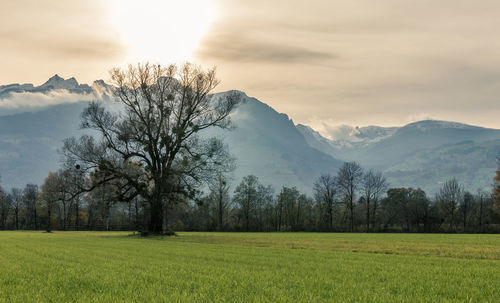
x=323, y=62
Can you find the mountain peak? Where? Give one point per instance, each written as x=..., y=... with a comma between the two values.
x=438, y=124
x=57, y=82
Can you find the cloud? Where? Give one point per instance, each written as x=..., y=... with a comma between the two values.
x=33, y=101
x=420, y=117
x=75, y=47
x=233, y=47
x=331, y=129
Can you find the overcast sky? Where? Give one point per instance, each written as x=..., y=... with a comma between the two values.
x=356, y=62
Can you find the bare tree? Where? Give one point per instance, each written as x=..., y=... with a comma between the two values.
x=288, y=199
x=30, y=198
x=246, y=197
x=5, y=206
x=17, y=198
x=465, y=208
x=50, y=194
x=449, y=197
x=325, y=190
x=152, y=145
x=349, y=178
x=496, y=189
x=265, y=199
x=482, y=207
x=219, y=194
x=373, y=186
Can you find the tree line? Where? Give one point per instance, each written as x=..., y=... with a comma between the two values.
x=145, y=163
x=352, y=200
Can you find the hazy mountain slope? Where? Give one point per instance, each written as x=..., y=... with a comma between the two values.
x=346, y=141
x=29, y=142
x=54, y=83
x=268, y=145
x=419, y=136
x=264, y=142
x=315, y=140
x=472, y=163
x=423, y=154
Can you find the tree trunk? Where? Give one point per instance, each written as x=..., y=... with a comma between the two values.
x=367, y=214
x=49, y=215
x=481, y=214
x=89, y=218
x=130, y=215
x=297, y=221
x=164, y=227
x=136, y=214
x=64, y=216
x=465, y=217
x=77, y=215
x=351, y=206
x=374, y=223
x=156, y=220
x=35, y=214
x=221, y=209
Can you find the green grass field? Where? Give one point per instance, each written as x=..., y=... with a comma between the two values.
x=238, y=267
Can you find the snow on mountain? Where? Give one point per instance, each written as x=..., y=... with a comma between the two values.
x=266, y=143
x=420, y=154
x=55, y=83
x=19, y=98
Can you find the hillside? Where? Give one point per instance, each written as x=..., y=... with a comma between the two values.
x=35, y=119
x=422, y=154
x=265, y=142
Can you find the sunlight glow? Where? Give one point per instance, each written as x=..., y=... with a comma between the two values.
x=167, y=31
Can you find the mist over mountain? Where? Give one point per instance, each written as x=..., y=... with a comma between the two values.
x=267, y=144
x=35, y=119
x=264, y=142
x=421, y=154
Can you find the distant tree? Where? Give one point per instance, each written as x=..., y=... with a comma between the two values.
x=101, y=200
x=288, y=199
x=396, y=208
x=449, y=197
x=246, y=197
x=30, y=198
x=308, y=217
x=219, y=196
x=465, y=207
x=482, y=208
x=269, y=210
x=265, y=201
x=5, y=207
x=51, y=192
x=325, y=191
x=496, y=189
x=419, y=206
x=73, y=180
x=2, y=201
x=17, y=198
x=349, y=178
x=408, y=208
x=152, y=145
x=374, y=184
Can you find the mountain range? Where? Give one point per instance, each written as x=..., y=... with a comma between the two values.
x=35, y=119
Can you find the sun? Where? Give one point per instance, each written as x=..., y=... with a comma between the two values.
x=167, y=31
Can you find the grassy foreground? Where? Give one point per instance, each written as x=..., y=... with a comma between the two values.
x=237, y=267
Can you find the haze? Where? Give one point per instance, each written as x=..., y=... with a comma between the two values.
x=324, y=63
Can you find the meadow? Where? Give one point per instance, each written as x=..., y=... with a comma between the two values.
x=248, y=267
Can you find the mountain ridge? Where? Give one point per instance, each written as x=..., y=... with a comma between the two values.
x=266, y=143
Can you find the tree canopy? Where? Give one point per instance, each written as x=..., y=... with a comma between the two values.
x=151, y=144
